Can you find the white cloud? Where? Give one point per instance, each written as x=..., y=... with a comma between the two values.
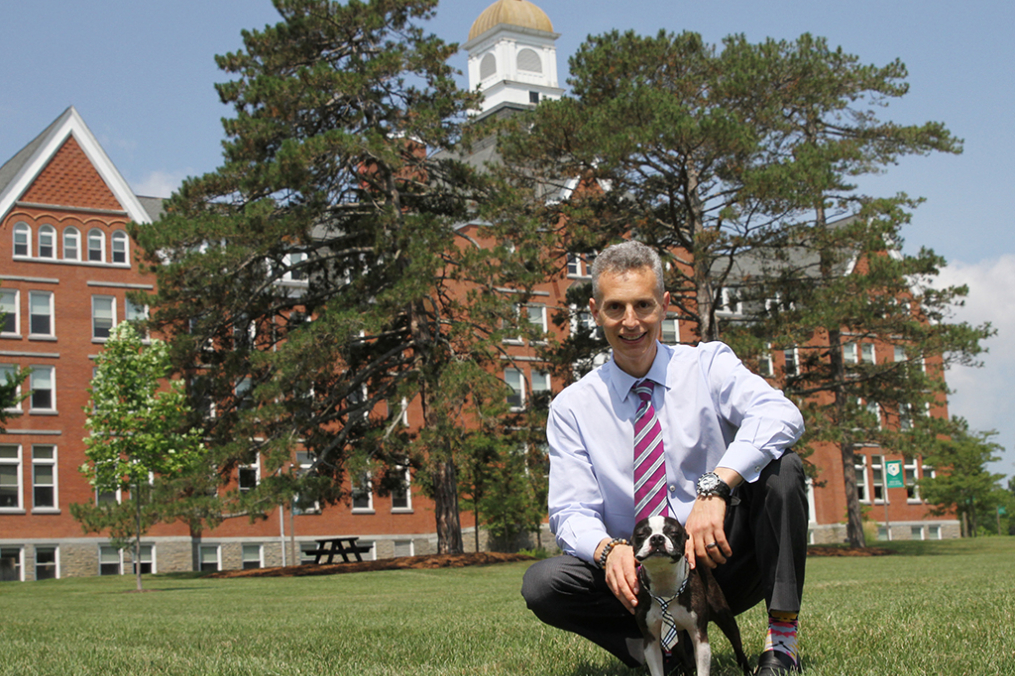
x=159, y=184
x=983, y=395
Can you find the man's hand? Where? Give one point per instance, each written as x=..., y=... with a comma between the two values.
x=705, y=526
x=621, y=573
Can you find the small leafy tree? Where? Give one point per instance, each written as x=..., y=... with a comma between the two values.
x=961, y=483
x=138, y=433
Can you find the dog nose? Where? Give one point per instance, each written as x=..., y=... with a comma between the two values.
x=657, y=541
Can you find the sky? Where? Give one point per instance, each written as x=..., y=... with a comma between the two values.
x=142, y=75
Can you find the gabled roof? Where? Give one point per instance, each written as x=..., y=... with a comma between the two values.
x=18, y=173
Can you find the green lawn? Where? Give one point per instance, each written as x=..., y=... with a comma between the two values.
x=934, y=608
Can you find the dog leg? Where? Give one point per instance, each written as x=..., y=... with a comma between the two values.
x=724, y=618
x=654, y=658
x=702, y=652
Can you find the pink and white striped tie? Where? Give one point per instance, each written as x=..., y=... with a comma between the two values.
x=649, y=459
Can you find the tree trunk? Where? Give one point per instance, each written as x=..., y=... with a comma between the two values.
x=137, y=539
x=445, y=492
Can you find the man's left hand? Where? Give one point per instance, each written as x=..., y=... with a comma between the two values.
x=706, y=534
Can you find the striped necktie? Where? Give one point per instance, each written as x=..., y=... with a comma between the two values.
x=649, y=465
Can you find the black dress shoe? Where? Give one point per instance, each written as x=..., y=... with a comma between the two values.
x=776, y=663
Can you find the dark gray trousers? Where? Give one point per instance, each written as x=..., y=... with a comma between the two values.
x=767, y=532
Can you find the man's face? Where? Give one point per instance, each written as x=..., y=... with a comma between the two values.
x=631, y=314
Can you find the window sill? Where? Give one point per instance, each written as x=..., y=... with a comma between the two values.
x=42, y=338
x=46, y=510
x=50, y=412
x=402, y=510
x=362, y=510
x=10, y=336
x=11, y=510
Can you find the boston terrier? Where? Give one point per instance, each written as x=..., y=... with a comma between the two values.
x=673, y=597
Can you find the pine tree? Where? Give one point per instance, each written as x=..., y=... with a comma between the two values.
x=322, y=276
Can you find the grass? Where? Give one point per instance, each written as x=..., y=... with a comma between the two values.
x=934, y=608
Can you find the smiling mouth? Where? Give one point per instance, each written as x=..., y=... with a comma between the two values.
x=632, y=339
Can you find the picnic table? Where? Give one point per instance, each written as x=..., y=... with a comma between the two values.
x=330, y=547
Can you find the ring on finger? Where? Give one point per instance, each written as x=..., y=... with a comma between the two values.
x=712, y=545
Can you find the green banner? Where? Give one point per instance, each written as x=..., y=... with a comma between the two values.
x=893, y=474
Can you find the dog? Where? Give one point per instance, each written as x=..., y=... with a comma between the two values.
x=668, y=586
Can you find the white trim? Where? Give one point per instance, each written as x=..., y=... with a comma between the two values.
x=71, y=124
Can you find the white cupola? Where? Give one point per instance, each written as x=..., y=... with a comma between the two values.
x=512, y=56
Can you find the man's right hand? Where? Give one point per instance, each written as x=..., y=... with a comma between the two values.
x=621, y=574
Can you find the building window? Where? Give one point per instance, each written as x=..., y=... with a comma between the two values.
x=304, y=504
x=71, y=244
x=248, y=476
x=10, y=477
x=9, y=308
x=534, y=98
x=580, y=265
x=10, y=564
x=43, y=388
x=536, y=316
x=209, y=558
x=878, y=477
x=792, y=367
x=363, y=494
x=119, y=246
x=514, y=380
x=401, y=497
x=728, y=303
x=933, y=532
x=860, y=467
x=96, y=246
x=147, y=560
x=40, y=317
x=867, y=353
x=44, y=477
x=8, y=373
x=103, y=316
x=766, y=367
x=898, y=353
x=46, y=563
x=47, y=242
x=22, y=240
x=529, y=61
x=671, y=331
x=540, y=382
x=909, y=471
x=110, y=560
x=403, y=548
x=487, y=67
x=252, y=557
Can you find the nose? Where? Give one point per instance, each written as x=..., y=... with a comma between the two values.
x=657, y=542
x=630, y=317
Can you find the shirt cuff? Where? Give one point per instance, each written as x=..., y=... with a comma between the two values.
x=745, y=460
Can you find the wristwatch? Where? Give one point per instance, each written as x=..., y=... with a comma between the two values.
x=710, y=484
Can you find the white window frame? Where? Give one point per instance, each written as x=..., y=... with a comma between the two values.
x=12, y=370
x=860, y=468
x=104, y=551
x=786, y=361
x=20, y=564
x=256, y=466
x=726, y=304
x=403, y=542
x=579, y=266
x=50, y=232
x=47, y=462
x=868, y=354
x=52, y=389
x=850, y=353
x=19, y=473
x=910, y=472
x=511, y=374
x=363, y=486
x=56, y=561
x=243, y=555
x=112, y=317
x=670, y=325
x=118, y=237
x=200, y=556
x=766, y=364
x=540, y=381
x=72, y=233
x=51, y=314
x=304, y=462
x=407, y=488
x=540, y=319
x=101, y=238
x=12, y=307
x=877, y=470
x=21, y=231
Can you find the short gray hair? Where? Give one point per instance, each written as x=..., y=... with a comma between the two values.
x=624, y=257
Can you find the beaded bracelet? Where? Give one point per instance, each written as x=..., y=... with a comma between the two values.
x=609, y=548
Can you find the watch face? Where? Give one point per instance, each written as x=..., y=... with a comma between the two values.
x=708, y=483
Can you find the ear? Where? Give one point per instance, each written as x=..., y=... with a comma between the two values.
x=594, y=309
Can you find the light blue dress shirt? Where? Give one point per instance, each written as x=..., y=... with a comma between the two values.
x=714, y=413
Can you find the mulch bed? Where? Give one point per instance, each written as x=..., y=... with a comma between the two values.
x=400, y=563
x=836, y=550
x=462, y=560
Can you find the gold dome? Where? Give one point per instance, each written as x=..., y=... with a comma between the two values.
x=513, y=12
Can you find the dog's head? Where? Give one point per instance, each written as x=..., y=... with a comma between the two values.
x=658, y=536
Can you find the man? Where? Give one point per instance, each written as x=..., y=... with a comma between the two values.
x=723, y=430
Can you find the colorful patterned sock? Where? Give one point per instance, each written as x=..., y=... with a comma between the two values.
x=782, y=630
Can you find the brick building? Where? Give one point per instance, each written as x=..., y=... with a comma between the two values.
x=66, y=265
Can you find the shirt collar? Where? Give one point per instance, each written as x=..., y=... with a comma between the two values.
x=621, y=382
